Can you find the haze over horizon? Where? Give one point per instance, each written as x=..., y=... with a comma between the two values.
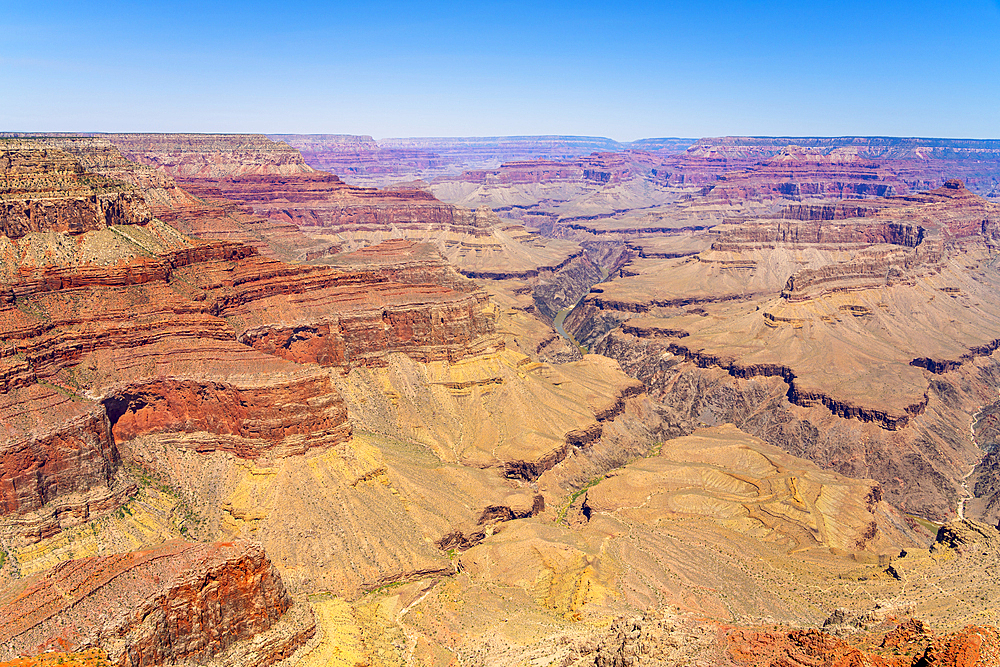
x=625, y=71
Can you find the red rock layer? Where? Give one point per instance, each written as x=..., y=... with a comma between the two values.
x=85, y=202
x=323, y=200
x=905, y=643
x=96, y=353
x=259, y=417
x=920, y=163
x=797, y=173
x=57, y=464
x=272, y=180
x=343, y=319
x=210, y=155
x=179, y=602
x=158, y=355
x=598, y=168
x=86, y=363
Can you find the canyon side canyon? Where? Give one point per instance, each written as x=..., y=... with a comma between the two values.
x=552, y=401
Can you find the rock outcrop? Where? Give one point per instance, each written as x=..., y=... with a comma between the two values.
x=177, y=603
x=895, y=643
x=365, y=161
x=272, y=180
x=211, y=155
x=87, y=202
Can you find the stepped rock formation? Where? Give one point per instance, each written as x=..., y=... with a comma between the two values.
x=364, y=161
x=797, y=172
x=88, y=202
x=413, y=424
x=272, y=179
x=211, y=155
x=177, y=603
x=826, y=308
x=202, y=216
x=106, y=342
x=339, y=217
x=923, y=163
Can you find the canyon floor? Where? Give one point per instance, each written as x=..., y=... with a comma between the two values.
x=321, y=400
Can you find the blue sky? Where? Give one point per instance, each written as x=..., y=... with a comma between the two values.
x=624, y=69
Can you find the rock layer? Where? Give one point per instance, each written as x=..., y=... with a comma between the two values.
x=177, y=603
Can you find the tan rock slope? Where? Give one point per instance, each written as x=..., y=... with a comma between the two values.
x=852, y=324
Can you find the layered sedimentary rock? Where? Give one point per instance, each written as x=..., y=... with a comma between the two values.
x=796, y=173
x=177, y=603
x=203, y=216
x=921, y=163
x=86, y=202
x=107, y=341
x=569, y=190
x=322, y=200
x=272, y=180
x=825, y=307
x=365, y=161
x=211, y=155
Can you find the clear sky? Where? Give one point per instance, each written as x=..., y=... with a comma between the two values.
x=624, y=69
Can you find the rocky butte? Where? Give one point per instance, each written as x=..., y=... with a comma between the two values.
x=724, y=402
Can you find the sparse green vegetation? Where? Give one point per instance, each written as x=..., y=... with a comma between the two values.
x=385, y=587
x=574, y=496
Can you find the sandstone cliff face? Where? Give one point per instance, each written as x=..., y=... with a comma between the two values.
x=87, y=201
x=211, y=155
x=325, y=202
x=57, y=465
x=272, y=180
x=138, y=331
x=177, y=603
x=763, y=233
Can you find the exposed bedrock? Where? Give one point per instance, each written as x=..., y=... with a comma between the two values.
x=289, y=417
x=148, y=341
x=323, y=200
x=795, y=395
x=768, y=232
x=554, y=288
x=833, y=211
x=446, y=331
x=57, y=466
x=74, y=458
x=870, y=268
x=211, y=155
x=893, y=642
x=46, y=189
x=919, y=457
x=404, y=261
x=177, y=603
x=564, y=286
x=33, y=280
x=73, y=216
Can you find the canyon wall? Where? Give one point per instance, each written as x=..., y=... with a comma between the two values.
x=177, y=603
